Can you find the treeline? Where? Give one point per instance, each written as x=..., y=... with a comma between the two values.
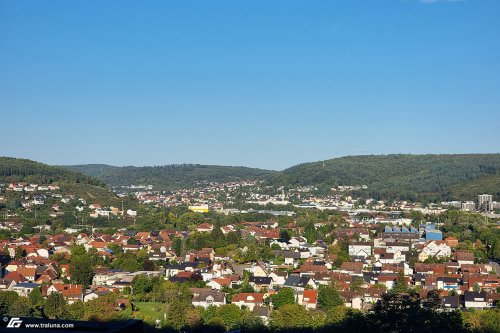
x=23, y=170
x=413, y=177
x=169, y=177
x=394, y=313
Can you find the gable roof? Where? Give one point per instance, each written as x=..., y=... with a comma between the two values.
x=310, y=296
x=297, y=281
x=248, y=298
x=260, y=279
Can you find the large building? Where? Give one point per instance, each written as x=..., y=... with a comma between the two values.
x=199, y=208
x=485, y=202
x=469, y=206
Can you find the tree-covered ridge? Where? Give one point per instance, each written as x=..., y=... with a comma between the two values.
x=24, y=170
x=169, y=177
x=400, y=176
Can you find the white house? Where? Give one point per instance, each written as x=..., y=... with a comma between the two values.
x=476, y=300
x=360, y=249
x=438, y=249
x=206, y=297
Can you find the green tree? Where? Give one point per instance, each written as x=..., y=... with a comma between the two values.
x=230, y=315
x=285, y=235
x=433, y=300
x=19, y=253
x=77, y=251
x=177, y=246
x=292, y=316
x=82, y=270
x=483, y=320
x=55, y=307
x=101, y=308
x=6, y=299
x=176, y=314
x=328, y=297
x=496, y=249
x=283, y=297
x=400, y=285
x=336, y=314
x=216, y=324
x=142, y=284
x=22, y=307
x=37, y=301
x=76, y=311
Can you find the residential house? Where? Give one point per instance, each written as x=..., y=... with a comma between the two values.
x=205, y=297
x=205, y=227
x=450, y=303
x=299, y=283
x=437, y=249
x=219, y=283
x=249, y=300
x=476, y=300
x=71, y=292
x=25, y=288
x=360, y=249
x=308, y=299
x=261, y=283
x=278, y=277
x=463, y=257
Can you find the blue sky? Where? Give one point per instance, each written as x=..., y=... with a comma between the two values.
x=257, y=83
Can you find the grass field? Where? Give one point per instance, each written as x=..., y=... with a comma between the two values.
x=153, y=310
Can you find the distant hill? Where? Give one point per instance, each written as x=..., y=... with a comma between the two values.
x=169, y=177
x=79, y=184
x=432, y=177
x=412, y=177
x=17, y=170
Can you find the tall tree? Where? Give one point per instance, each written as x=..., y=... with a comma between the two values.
x=82, y=270
x=328, y=297
x=283, y=297
x=292, y=317
x=22, y=307
x=400, y=285
x=55, y=307
x=433, y=300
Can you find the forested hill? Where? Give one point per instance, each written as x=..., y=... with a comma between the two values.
x=17, y=170
x=414, y=177
x=169, y=177
x=434, y=177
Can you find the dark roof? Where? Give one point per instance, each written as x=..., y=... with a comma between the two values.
x=200, y=295
x=290, y=254
x=451, y=302
x=448, y=279
x=27, y=285
x=260, y=279
x=473, y=296
x=182, y=266
x=297, y=281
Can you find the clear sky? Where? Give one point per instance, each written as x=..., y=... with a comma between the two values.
x=256, y=83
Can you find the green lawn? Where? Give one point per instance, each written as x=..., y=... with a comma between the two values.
x=152, y=310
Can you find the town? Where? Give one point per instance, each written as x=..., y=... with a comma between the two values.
x=240, y=253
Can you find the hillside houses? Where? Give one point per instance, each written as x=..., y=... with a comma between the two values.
x=371, y=263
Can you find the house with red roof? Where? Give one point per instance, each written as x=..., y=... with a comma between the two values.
x=218, y=283
x=71, y=292
x=250, y=300
x=308, y=299
x=205, y=227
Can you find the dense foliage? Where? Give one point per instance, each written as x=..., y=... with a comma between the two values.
x=169, y=177
x=17, y=170
x=414, y=177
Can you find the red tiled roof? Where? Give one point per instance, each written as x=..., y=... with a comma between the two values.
x=248, y=298
x=310, y=296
